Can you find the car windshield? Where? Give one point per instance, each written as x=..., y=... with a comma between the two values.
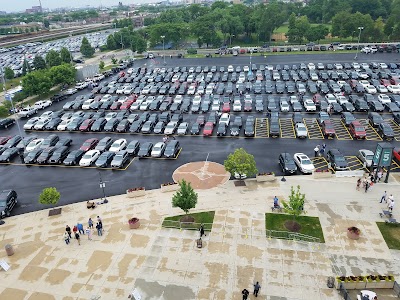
x=3, y=203
x=87, y=156
x=359, y=128
x=339, y=158
x=157, y=148
x=369, y=157
x=305, y=162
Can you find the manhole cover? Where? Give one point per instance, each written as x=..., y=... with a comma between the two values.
x=53, y=212
x=239, y=183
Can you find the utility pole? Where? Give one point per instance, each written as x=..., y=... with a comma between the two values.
x=163, y=46
x=358, y=44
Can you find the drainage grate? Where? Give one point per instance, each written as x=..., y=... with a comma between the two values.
x=239, y=183
x=54, y=212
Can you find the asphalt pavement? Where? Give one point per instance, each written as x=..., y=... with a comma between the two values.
x=79, y=184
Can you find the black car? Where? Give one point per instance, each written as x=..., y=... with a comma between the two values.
x=249, y=129
x=104, y=144
x=123, y=125
x=396, y=118
x=274, y=128
x=111, y=124
x=392, y=107
x=287, y=163
x=145, y=149
x=172, y=149
x=159, y=127
x=221, y=130
x=374, y=119
x=195, y=129
x=120, y=159
x=8, y=154
x=59, y=155
x=52, y=125
x=75, y=124
x=98, y=125
x=50, y=141
x=235, y=130
x=8, y=200
x=386, y=131
x=13, y=141
x=297, y=118
x=31, y=157
x=133, y=147
x=45, y=155
x=337, y=109
x=104, y=159
x=376, y=106
x=73, y=157
x=361, y=105
x=135, y=126
x=347, y=106
x=347, y=118
x=5, y=123
x=337, y=160
x=63, y=142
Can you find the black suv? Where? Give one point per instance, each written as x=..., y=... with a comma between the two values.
x=4, y=123
x=375, y=119
x=172, y=149
x=287, y=163
x=8, y=200
x=337, y=160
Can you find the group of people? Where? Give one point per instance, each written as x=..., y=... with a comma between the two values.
x=319, y=150
x=369, y=181
x=78, y=229
x=167, y=138
x=388, y=200
x=246, y=293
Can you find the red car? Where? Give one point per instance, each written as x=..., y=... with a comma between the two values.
x=385, y=82
x=4, y=139
x=353, y=83
x=395, y=81
x=89, y=144
x=132, y=98
x=357, y=131
x=208, y=129
x=126, y=104
x=396, y=154
x=85, y=126
x=226, y=107
x=328, y=129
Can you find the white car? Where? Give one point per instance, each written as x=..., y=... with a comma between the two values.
x=128, y=90
x=190, y=78
x=370, y=89
x=284, y=106
x=215, y=106
x=39, y=125
x=381, y=88
x=89, y=158
x=230, y=69
x=31, y=122
x=341, y=83
x=366, y=50
x=303, y=162
x=191, y=90
x=81, y=85
x=237, y=105
x=120, y=90
x=314, y=76
x=118, y=145
x=356, y=65
x=395, y=89
x=311, y=66
x=366, y=157
x=225, y=118
x=71, y=91
x=337, y=65
x=320, y=66
x=341, y=99
x=27, y=112
x=196, y=99
x=301, y=131
x=105, y=98
x=182, y=128
x=99, y=77
x=246, y=69
x=42, y=104
x=170, y=128
x=383, y=98
x=158, y=149
x=309, y=105
x=364, y=65
x=178, y=99
x=87, y=103
x=330, y=98
x=48, y=114
x=35, y=144
x=364, y=83
x=110, y=115
x=64, y=123
x=383, y=66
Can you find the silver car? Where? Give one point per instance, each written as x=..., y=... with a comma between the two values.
x=366, y=157
x=301, y=130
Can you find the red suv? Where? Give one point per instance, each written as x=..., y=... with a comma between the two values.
x=85, y=126
x=328, y=129
x=89, y=144
x=208, y=129
x=357, y=131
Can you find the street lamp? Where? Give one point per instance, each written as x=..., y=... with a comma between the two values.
x=230, y=42
x=102, y=186
x=163, y=46
x=358, y=44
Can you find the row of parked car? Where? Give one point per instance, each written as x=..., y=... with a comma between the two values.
x=104, y=152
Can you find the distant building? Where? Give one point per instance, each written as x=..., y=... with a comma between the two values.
x=34, y=10
x=2, y=13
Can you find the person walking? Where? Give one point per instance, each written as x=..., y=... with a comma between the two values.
x=99, y=229
x=202, y=230
x=316, y=151
x=257, y=288
x=80, y=228
x=391, y=204
x=366, y=186
x=358, y=184
x=90, y=223
x=68, y=230
x=245, y=294
x=379, y=175
x=78, y=238
x=383, y=198
x=66, y=237
x=89, y=233
x=75, y=229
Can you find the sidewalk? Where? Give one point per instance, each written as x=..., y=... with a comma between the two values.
x=166, y=264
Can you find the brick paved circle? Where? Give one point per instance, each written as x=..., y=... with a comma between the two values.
x=201, y=174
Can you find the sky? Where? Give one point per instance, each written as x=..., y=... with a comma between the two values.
x=21, y=5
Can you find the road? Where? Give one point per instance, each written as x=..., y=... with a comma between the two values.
x=77, y=184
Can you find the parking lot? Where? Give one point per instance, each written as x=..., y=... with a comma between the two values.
x=78, y=183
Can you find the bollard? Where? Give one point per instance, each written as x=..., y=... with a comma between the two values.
x=9, y=250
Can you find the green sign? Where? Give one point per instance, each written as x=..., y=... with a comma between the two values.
x=383, y=156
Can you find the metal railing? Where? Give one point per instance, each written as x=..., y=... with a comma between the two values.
x=186, y=225
x=396, y=289
x=287, y=235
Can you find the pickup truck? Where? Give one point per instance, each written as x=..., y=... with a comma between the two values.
x=27, y=112
x=98, y=77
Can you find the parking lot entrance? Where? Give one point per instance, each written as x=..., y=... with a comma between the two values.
x=261, y=128
x=287, y=128
x=313, y=129
x=342, y=133
x=372, y=134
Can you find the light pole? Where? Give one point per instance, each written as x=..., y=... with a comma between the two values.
x=102, y=186
x=230, y=42
x=163, y=46
x=358, y=44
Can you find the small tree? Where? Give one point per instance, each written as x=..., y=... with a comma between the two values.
x=185, y=198
x=86, y=49
x=65, y=55
x=114, y=61
x=101, y=65
x=294, y=207
x=49, y=196
x=8, y=73
x=241, y=163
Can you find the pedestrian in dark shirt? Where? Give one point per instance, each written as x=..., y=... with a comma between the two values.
x=257, y=288
x=68, y=230
x=245, y=294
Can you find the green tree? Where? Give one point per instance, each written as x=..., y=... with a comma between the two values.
x=298, y=30
x=26, y=68
x=62, y=74
x=49, y=196
x=316, y=33
x=53, y=58
x=39, y=63
x=111, y=44
x=114, y=61
x=65, y=55
x=86, y=49
x=46, y=23
x=185, y=198
x=37, y=83
x=101, y=65
x=8, y=73
x=240, y=162
x=295, y=205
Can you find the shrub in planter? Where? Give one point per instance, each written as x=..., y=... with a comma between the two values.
x=134, y=223
x=373, y=281
x=135, y=192
x=135, y=189
x=353, y=233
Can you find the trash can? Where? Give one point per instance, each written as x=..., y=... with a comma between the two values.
x=9, y=250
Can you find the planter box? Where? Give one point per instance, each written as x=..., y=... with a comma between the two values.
x=351, y=285
x=135, y=194
x=265, y=178
x=372, y=284
x=387, y=284
x=135, y=225
x=317, y=175
x=169, y=188
x=360, y=285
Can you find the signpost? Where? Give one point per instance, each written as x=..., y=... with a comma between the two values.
x=383, y=158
